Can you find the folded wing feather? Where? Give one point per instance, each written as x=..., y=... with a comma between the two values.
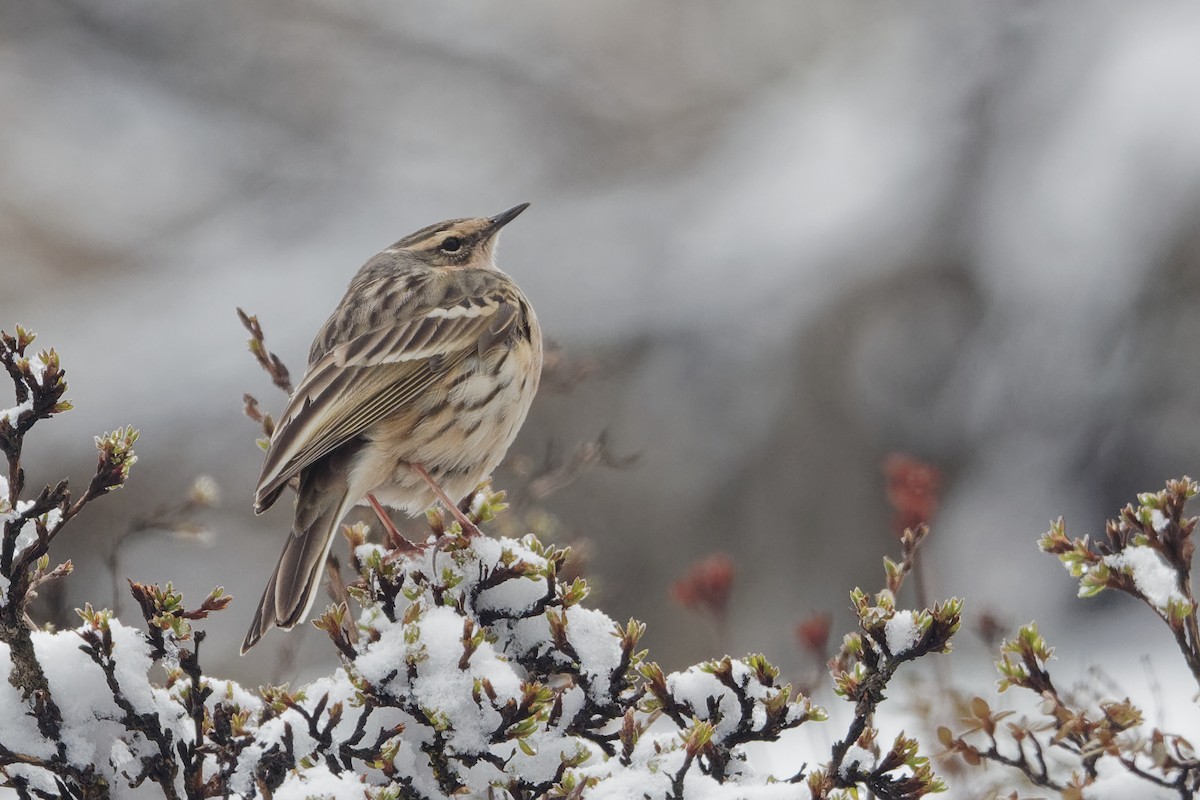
x=372, y=375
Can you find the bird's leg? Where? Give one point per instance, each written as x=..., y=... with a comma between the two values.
x=469, y=528
x=398, y=539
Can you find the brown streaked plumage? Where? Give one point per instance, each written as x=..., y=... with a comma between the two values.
x=430, y=362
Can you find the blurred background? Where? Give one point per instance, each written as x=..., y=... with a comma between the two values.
x=775, y=242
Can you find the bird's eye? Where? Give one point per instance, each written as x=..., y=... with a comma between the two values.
x=452, y=244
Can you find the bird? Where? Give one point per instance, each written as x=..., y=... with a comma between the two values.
x=415, y=388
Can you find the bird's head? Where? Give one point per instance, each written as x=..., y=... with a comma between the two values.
x=454, y=243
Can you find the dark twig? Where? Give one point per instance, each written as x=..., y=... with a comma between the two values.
x=270, y=362
x=553, y=476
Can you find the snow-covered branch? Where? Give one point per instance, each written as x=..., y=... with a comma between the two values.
x=1078, y=748
x=469, y=667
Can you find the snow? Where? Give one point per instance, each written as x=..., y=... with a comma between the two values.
x=902, y=632
x=384, y=657
x=421, y=660
x=429, y=693
x=18, y=727
x=572, y=703
x=515, y=596
x=92, y=720
x=1151, y=574
x=477, y=502
x=1159, y=521
x=593, y=634
x=79, y=688
x=653, y=766
x=443, y=688
x=120, y=755
x=694, y=687
x=39, y=780
x=364, y=552
x=857, y=758
x=230, y=692
x=511, y=597
x=320, y=782
x=10, y=414
x=632, y=783
x=27, y=534
x=37, y=366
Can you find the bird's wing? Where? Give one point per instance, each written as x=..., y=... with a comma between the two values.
x=374, y=374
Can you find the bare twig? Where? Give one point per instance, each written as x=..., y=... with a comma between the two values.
x=176, y=517
x=561, y=373
x=553, y=476
x=270, y=362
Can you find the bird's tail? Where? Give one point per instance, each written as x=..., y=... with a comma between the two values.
x=322, y=500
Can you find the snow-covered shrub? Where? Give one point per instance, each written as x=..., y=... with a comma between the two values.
x=1092, y=747
x=468, y=668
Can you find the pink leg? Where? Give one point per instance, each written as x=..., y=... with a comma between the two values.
x=468, y=527
x=398, y=540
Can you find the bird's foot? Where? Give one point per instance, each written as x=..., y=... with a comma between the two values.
x=469, y=528
x=397, y=539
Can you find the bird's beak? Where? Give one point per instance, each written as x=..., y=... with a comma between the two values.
x=505, y=217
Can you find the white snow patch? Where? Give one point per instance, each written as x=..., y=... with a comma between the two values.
x=120, y=754
x=513, y=596
x=364, y=552
x=11, y=414
x=856, y=757
x=694, y=687
x=902, y=632
x=477, y=500
x=38, y=367
x=320, y=782
x=18, y=727
x=235, y=693
x=593, y=634
x=1151, y=574
x=27, y=534
x=650, y=776
x=92, y=720
x=443, y=687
